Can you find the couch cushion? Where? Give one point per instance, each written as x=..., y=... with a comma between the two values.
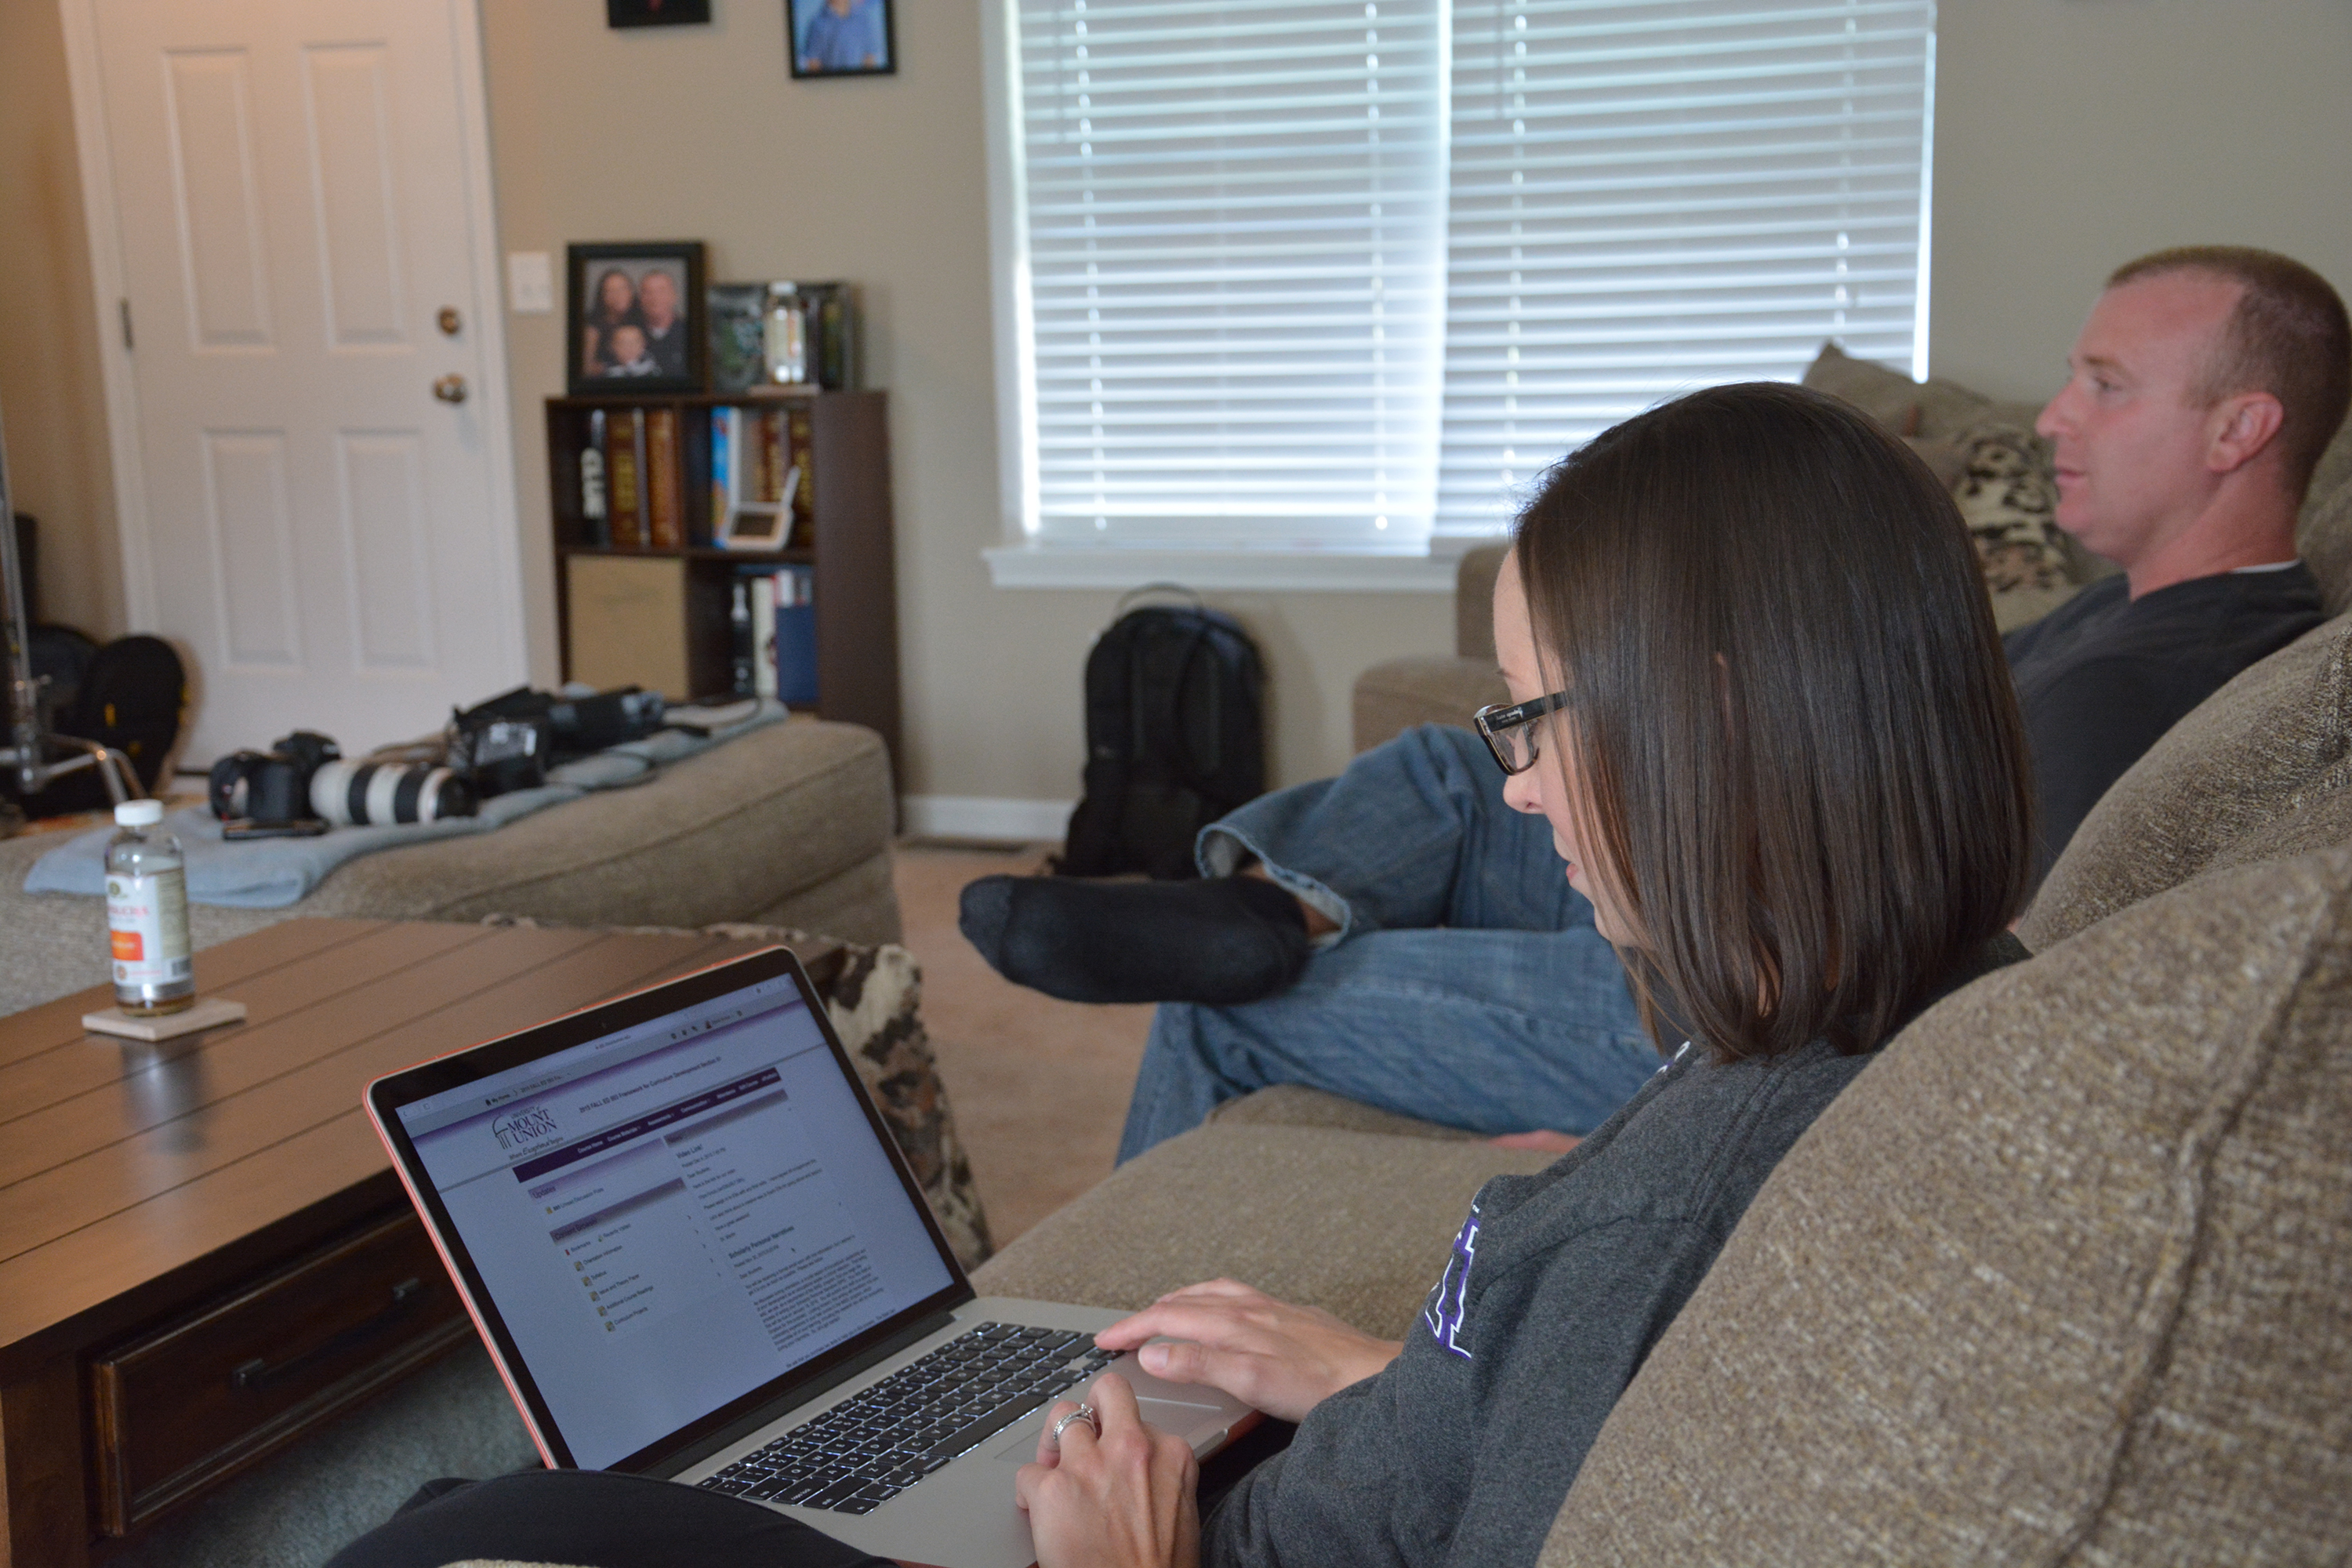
x=1354, y=1222
x=2065, y=1276
x=1395, y=694
x=2333, y=475
x=2325, y=542
x=2263, y=768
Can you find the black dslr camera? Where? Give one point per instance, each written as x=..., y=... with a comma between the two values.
x=303, y=784
x=271, y=788
x=509, y=741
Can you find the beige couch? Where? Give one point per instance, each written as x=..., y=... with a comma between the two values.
x=787, y=825
x=2065, y=1276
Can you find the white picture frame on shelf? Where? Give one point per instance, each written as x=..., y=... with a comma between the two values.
x=758, y=528
x=738, y=524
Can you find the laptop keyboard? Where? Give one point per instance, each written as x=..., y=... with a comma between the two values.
x=870, y=1448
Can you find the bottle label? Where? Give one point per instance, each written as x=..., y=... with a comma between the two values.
x=147, y=923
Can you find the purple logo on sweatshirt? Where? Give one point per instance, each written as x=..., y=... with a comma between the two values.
x=1449, y=1301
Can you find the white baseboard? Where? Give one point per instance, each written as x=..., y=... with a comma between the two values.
x=985, y=816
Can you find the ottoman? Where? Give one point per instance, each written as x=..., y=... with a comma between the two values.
x=786, y=826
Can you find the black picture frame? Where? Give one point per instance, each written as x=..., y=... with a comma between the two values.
x=880, y=15
x=655, y=13
x=594, y=342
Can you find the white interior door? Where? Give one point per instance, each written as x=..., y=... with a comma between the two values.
x=325, y=526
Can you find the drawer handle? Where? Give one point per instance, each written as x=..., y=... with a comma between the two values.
x=258, y=1374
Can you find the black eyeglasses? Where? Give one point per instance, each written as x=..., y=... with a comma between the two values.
x=1509, y=730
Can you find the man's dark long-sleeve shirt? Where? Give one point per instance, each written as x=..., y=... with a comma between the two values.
x=2104, y=675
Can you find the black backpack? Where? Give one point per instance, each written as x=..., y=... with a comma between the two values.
x=1175, y=738
x=128, y=694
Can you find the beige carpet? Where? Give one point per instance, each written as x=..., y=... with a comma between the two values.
x=1039, y=1087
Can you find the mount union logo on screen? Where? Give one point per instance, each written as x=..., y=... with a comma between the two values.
x=521, y=1128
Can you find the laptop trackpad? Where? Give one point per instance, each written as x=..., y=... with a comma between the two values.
x=1191, y=1410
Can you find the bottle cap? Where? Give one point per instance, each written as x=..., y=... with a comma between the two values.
x=138, y=813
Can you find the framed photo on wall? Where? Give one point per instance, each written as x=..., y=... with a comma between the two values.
x=634, y=319
x=842, y=38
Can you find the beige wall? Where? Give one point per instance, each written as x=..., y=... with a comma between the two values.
x=701, y=131
x=52, y=400
x=2070, y=134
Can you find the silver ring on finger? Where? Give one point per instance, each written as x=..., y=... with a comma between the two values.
x=1084, y=1413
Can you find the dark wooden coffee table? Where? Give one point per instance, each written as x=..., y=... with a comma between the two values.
x=203, y=1253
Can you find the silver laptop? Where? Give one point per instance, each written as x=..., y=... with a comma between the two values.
x=695, y=1253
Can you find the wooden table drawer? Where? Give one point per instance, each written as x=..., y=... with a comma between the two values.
x=181, y=1406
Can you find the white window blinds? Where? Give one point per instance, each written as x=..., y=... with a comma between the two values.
x=1347, y=273
x=1656, y=197
x=1235, y=217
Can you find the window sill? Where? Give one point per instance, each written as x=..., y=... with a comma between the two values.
x=1297, y=570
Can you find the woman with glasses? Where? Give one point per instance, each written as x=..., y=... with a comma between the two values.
x=1761, y=722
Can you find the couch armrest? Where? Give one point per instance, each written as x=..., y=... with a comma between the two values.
x=1296, y=1105
x=1426, y=688
x=1354, y=1222
x=1473, y=602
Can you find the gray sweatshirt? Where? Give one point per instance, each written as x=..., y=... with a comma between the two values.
x=1559, y=1283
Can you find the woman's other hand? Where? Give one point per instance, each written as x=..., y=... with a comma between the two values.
x=1541, y=1141
x=1125, y=1500
x=1282, y=1359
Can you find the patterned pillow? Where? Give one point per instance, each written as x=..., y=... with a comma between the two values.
x=2010, y=502
x=873, y=995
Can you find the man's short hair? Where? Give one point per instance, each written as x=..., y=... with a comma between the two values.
x=2289, y=336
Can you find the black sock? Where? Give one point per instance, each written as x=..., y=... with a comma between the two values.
x=1220, y=940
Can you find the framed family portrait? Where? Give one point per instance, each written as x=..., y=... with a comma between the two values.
x=842, y=38
x=635, y=315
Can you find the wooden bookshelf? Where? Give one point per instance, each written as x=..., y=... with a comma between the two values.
x=851, y=552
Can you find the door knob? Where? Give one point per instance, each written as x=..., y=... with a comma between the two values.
x=449, y=320
x=450, y=389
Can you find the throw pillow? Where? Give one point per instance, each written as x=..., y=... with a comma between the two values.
x=2009, y=499
x=873, y=996
x=2261, y=769
x=2065, y=1276
x=1933, y=409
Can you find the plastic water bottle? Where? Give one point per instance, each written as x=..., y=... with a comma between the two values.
x=147, y=913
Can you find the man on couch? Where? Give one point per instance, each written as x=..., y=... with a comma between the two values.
x=1398, y=937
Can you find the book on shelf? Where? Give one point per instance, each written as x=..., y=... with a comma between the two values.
x=595, y=524
x=624, y=467
x=799, y=496
x=776, y=637
x=723, y=448
x=795, y=590
x=763, y=634
x=742, y=644
x=665, y=503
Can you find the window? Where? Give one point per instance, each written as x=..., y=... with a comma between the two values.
x=1345, y=276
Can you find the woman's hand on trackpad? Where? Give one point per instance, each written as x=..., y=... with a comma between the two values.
x=1282, y=1359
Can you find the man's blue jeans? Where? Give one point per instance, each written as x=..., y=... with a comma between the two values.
x=1466, y=985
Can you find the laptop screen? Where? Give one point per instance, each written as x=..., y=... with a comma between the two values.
x=672, y=1215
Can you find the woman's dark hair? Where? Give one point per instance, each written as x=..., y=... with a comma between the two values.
x=1795, y=734
x=596, y=311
